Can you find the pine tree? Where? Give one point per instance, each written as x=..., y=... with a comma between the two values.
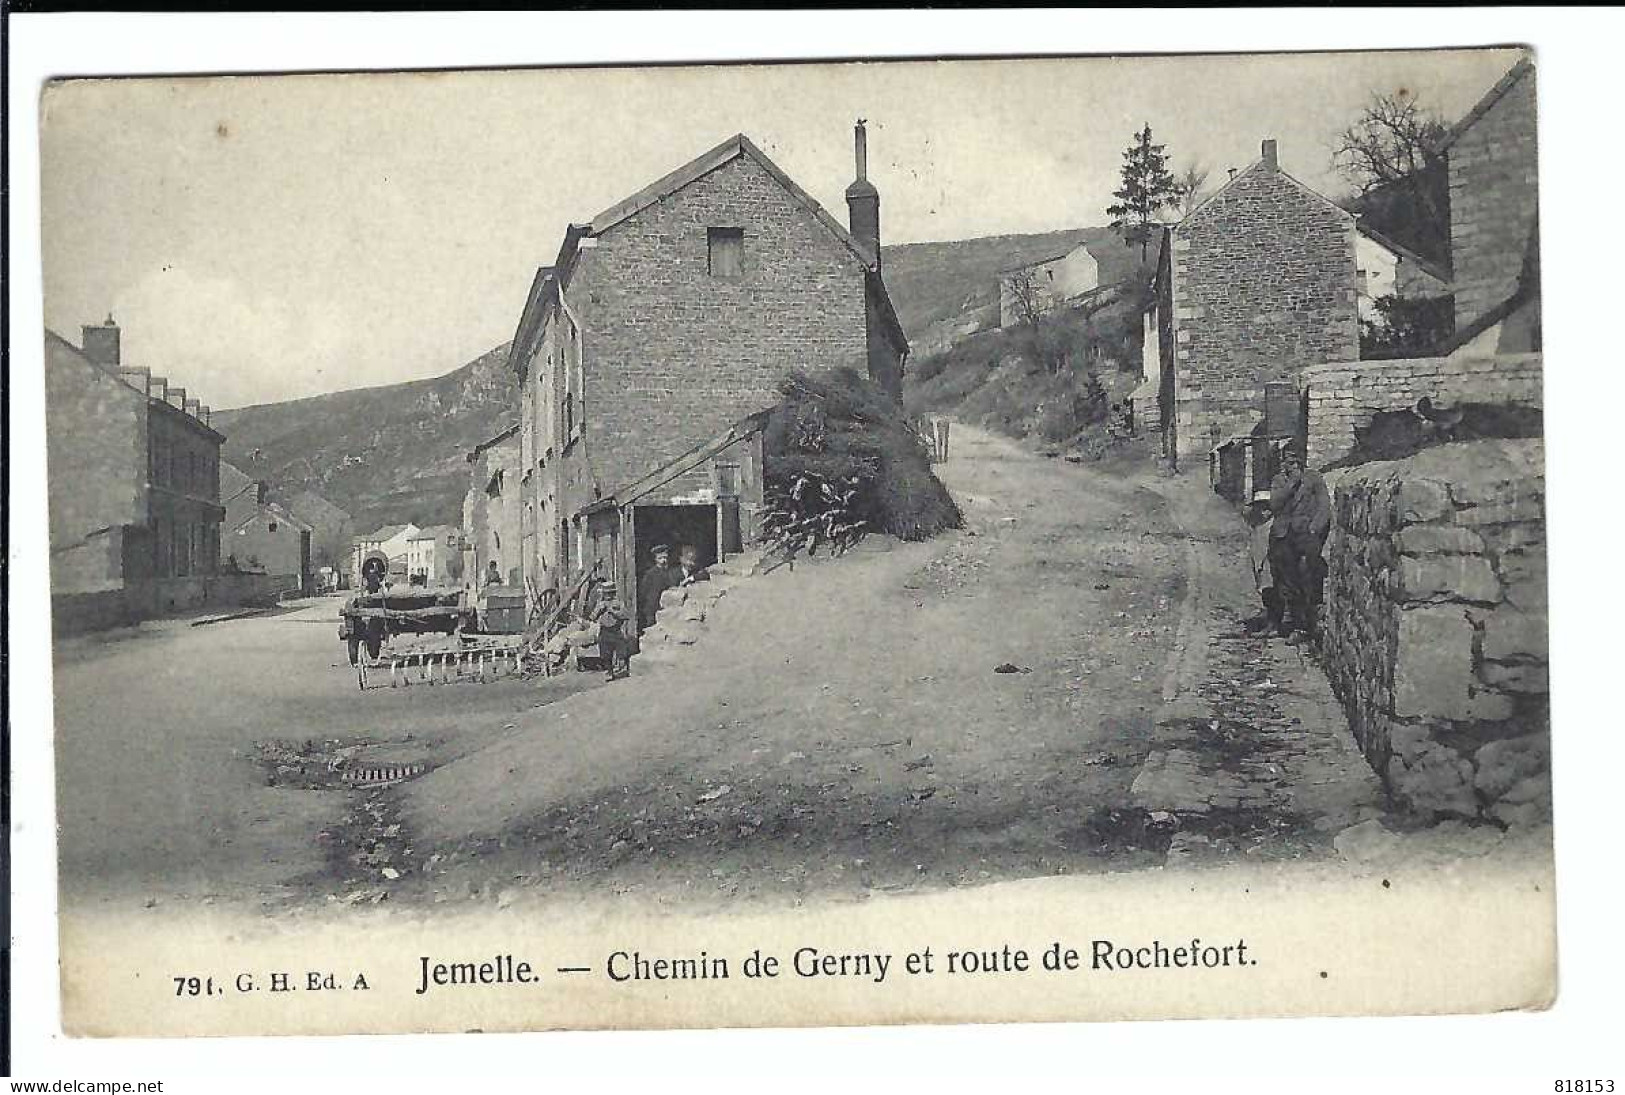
x=1148, y=187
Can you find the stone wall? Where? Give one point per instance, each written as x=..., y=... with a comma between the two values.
x=1494, y=197
x=1263, y=286
x=1434, y=632
x=1340, y=396
x=675, y=354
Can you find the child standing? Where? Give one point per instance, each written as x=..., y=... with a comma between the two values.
x=613, y=642
x=1259, y=519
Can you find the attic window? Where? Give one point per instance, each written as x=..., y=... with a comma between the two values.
x=725, y=250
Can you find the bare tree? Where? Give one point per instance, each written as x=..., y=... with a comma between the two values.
x=1191, y=181
x=1034, y=308
x=1393, y=145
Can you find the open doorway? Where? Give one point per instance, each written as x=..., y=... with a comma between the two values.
x=675, y=526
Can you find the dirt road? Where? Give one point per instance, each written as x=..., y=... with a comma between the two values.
x=157, y=792
x=845, y=727
x=1045, y=691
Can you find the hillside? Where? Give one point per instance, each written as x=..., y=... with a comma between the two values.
x=936, y=282
x=387, y=454
x=396, y=453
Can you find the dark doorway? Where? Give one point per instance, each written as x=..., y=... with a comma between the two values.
x=675, y=526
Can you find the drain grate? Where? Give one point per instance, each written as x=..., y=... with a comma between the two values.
x=381, y=775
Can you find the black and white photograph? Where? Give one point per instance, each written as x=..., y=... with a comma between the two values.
x=756, y=544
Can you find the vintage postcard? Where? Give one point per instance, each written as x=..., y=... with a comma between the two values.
x=776, y=545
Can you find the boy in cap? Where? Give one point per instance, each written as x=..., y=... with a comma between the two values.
x=613, y=642
x=1258, y=517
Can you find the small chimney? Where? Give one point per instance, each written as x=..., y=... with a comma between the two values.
x=1270, y=160
x=1232, y=172
x=193, y=406
x=101, y=342
x=157, y=386
x=203, y=414
x=175, y=397
x=862, y=199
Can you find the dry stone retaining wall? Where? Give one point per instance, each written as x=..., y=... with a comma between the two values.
x=1435, y=626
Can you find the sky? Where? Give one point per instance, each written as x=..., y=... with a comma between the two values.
x=265, y=238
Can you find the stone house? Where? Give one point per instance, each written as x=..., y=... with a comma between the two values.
x=1494, y=202
x=663, y=322
x=274, y=539
x=1255, y=283
x=261, y=535
x=1046, y=283
x=491, y=522
x=331, y=529
x=1495, y=219
x=135, y=504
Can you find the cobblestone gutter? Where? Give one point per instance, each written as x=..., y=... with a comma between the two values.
x=1435, y=626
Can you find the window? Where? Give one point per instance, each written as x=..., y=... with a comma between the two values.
x=725, y=249
x=271, y=527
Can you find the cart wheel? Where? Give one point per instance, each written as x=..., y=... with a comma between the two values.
x=355, y=650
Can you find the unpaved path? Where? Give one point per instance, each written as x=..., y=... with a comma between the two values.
x=842, y=728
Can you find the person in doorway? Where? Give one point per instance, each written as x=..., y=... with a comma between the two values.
x=614, y=644
x=660, y=577
x=1257, y=515
x=688, y=564
x=1303, y=517
x=493, y=575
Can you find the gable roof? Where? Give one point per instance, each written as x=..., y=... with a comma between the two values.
x=434, y=532
x=387, y=532
x=1524, y=67
x=233, y=481
x=277, y=510
x=1256, y=165
x=549, y=280
x=1432, y=269
x=491, y=442
x=316, y=510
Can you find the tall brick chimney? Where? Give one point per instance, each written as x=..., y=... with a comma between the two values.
x=862, y=199
x=1270, y=160
x=101, y=342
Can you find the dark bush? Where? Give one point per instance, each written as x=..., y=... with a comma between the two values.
x=838, y=427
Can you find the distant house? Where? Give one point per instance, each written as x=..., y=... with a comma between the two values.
x=392, y=540
x=135, y=501
x=260, y=535
x=434, y=556
x=1046, y=283
x=669, y=318
x=1494, y=218
x=1253, y=285
x=331, y=529
x=491, y=509
x=1385, y=268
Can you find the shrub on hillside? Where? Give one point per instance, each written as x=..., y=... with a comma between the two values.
x=840, y=430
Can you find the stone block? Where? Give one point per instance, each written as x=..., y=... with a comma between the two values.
x=1439, y=540
x=1529, y=678
x=1422, y=500
x=673, y=598
x=1510, y=635
x=1430, y=776
x=1503, y=764
x=1433, y=663
x=1449, y=578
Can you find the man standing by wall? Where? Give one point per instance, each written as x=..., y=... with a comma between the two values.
x=655, y=581
x=1303, y=516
